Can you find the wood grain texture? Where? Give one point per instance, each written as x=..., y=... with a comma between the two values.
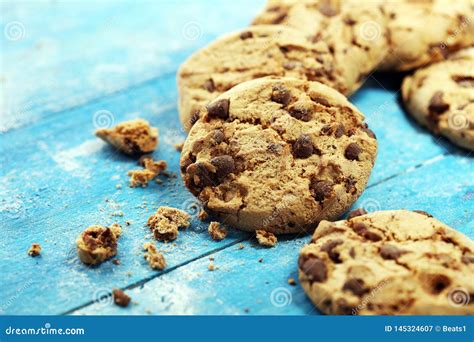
x=56, y=178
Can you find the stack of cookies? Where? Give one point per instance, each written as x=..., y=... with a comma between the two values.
x=274, y=143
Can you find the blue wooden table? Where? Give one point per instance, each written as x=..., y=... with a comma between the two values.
x=70, y=67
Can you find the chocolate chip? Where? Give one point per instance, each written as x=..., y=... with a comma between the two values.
x=437, y=105
x=300, y=113
x=224, y=165
x=438, y=282
x=199, y=174
x=368, y=131
x=356, y=212
x=390, y=252
x=218, y=136
x=464, y=81
x=344, y=308
x=321, y=189
x=329, y=246
x=303, y=147
x=246, y=35
x=467, y=259
x=314, y=268
x=340, y=130
x=349, y=21
x=422, y=213
x=349, y=184
x=219, y=109
x=281, y=94
x=352, y=151
x=326, y=130
x=209, y=85
x=356, y=286
x=352, y=252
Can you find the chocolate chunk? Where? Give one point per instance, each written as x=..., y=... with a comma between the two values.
x=352, y=151
x=356, y=286
x=326, y=130
x=120, y=298
x=356, y=212
x=209, y=85
x=321, y=189
x=246, y=35
x=314, y=268
x=218, y=136
x=300, y=113
x=438, y=282
x=360, y=229
x=224, y=165
x=390, y=252
x=321, y=100
x=368, y=131
x=344, y=308
x=437, y=105
x=281, y=94
x=303, y=147
x=422, y=213
x=349, y=184
x=219, y=109
x=199, y=174
x=340, y=130
x=194, y=118
x=349, y=21
x=464, y=81
x=329, y=246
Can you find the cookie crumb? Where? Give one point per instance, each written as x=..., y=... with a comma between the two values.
x=203, y=215
x=166, y=222
x=155, y=259
x=34, y=250
x=179, y=146
x=116, y=262
x=121, y=298
x=265, y=238
x=216, y=232
x=97, y=243
x=241, y=246
x=131, y=137
x=291, y=281
x=118, y=186
x=128, y=223
x=151, y=170
x=211, y=266
x=260, y=260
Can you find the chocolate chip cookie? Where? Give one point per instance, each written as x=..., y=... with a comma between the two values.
x=389, y=262
x=278, y=154
x=355, y=31
x=441, y=97
x=423, y=32
x=257, y=51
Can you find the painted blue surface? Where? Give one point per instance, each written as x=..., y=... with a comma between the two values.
x=117, y=62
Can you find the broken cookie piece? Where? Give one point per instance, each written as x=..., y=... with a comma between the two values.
x=166, y=222
x=151, y=170
x=131, y=137
x=155, y=259
x=121, y=298
x=34, y=250
x=265, y=238
x=97, y=243
x=216, y=232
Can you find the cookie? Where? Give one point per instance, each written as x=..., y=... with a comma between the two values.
x=387, y=263
x=441, y=97
x=423, y=32
x=255, y=52
x=131, y=137
x=278, y=154
x=354, y=30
